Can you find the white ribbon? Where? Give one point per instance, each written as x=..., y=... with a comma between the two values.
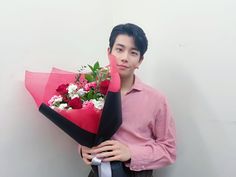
x=104, y=168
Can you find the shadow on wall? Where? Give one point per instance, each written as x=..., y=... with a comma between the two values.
x=193, y=119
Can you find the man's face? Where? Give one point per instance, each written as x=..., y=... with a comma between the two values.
x=127, y=56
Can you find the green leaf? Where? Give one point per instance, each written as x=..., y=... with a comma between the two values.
x=90, y=94
x=83, y=97
x=91, y=68
x=89, y=77
x=96, y=66
x=95, y=96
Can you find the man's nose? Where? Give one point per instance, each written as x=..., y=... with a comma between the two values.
x=124, y=57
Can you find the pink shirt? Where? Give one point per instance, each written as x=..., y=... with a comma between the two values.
x=148, y=128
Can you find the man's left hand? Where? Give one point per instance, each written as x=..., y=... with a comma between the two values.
x=112, y=150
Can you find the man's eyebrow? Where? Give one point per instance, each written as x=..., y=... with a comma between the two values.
x=134, y=48
x=121, y=45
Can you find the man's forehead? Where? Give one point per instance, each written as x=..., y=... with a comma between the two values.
x=125, y=41
x=126, y=46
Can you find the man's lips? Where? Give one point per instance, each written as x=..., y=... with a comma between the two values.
x=122, y=66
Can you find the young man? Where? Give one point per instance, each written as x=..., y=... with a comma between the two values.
x=146, y=138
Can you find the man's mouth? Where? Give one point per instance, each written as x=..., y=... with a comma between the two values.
x=122, y=66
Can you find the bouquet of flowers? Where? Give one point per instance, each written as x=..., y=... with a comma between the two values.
x=87, y=91
x=86, y=105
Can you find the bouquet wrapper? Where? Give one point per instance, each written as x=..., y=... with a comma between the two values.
x=88, y=127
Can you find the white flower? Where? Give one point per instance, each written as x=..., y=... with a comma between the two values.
x=72, y=88
x=73, y=95
x=58, y=99
x=77, y=93
x=98, y=103
x=55, y=99
x=63, y=106
x=81, y=92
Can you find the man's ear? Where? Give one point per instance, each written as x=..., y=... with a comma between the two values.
x=141, y=59
x=108, y=50
x=139, y=62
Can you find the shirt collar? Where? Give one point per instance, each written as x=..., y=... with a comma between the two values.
x=138, y=85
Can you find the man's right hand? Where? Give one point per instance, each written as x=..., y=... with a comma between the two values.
x=86, y=154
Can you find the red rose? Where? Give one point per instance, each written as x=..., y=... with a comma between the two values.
x=75, y=103
x=65, y=98
x=62, y=89
x=104, y=86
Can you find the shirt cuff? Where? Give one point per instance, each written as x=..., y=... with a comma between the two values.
x=140, y=156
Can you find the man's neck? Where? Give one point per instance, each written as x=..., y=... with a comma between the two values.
x=126, y=84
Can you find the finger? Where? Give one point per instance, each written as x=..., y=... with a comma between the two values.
x=86, y=150
x=102, y=149
x=107, y=154
x=88, y=162
x=88, y=156
x=109, y=159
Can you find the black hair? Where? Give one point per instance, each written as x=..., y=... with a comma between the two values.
x=131, y=30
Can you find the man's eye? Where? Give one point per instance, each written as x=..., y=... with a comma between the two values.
x=134, y=53
x=118, y=49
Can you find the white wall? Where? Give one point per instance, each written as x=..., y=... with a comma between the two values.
x=191, y=58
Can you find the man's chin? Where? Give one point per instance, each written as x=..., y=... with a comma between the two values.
x=124, y=75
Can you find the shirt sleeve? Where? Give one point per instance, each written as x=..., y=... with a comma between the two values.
x=160, y=151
